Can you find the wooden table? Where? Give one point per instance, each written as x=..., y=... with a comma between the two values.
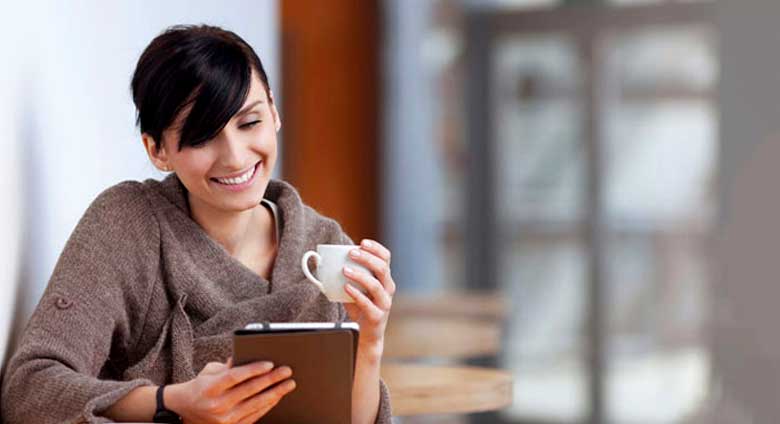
x=451, y=338
x=425, y=389
x=464, y=304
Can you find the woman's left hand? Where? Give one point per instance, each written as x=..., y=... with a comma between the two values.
x=370, y=310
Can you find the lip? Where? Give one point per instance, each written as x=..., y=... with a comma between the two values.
x=239, y=173
x=238, y=187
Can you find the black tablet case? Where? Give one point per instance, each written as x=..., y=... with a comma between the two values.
x=323, y=365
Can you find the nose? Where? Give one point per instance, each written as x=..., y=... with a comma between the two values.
x=230, y=150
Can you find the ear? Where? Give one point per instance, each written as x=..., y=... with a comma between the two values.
x=275, y=112
x=158, y=157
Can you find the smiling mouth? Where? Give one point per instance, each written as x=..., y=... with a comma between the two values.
x=240, y=179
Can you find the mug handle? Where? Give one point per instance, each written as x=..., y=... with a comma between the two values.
x=305, y=267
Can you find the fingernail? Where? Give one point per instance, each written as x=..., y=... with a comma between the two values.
x=355, y=253
x=291, y=384
x=367, y=243
x=268, y=365
x=348, y=270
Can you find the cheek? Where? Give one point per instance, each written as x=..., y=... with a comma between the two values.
x=262, y=143
x=267, y=140
x=194, y=164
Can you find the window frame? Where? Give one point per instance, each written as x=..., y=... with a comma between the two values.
x=586, y=25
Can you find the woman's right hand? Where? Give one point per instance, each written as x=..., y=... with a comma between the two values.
x=222, y=393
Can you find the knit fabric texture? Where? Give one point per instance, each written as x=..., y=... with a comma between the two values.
x=141, y=295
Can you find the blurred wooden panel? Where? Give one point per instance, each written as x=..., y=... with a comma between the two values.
x=330, y=90
x=441, y=337
x=426, y=389
x=488, y=306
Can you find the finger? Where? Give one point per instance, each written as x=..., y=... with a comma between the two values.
x=254, y=418
x=374, y=263
x=229, y=362
x=376, y=248
x=370, y=311
x=377, y=266
x=257, y=406
x=237, y=375
x=372, y=286
x=256, y=385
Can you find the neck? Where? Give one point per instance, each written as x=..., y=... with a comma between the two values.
x=237, y=232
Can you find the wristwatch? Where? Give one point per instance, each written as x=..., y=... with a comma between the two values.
x=163, y=414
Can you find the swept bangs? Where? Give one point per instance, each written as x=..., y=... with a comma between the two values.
x=193, y=79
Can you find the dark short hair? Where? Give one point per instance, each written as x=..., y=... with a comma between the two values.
x=203, y=67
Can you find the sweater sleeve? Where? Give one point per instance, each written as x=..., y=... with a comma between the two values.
x=68, y=365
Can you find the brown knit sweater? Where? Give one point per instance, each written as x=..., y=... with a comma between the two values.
x=142, y=295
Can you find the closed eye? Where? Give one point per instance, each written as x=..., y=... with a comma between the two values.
x=250, y=124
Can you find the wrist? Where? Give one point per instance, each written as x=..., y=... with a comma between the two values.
x=370, y=351
x=174, y=397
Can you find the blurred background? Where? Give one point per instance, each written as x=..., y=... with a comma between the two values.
x=598, y=175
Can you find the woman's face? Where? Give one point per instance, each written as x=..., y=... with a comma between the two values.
x=231, y=171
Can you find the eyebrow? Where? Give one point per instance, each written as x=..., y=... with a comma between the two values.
x=249, y=106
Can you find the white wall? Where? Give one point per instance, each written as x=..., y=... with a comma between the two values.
x=10, y=212
x=66, y=111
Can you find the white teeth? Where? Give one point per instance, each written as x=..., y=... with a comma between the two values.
x=237, y=180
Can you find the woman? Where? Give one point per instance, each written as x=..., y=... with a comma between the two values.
x=157, y=274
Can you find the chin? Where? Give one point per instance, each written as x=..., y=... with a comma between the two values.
x=244, y=201
x=241, y=205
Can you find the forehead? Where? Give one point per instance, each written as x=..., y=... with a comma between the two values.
x=256, y=89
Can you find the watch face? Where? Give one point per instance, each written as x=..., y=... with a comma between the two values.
x=166, y=416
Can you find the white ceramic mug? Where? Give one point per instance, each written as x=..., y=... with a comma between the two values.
x=331, y=260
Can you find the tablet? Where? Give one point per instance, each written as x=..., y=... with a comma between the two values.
x=322, y=357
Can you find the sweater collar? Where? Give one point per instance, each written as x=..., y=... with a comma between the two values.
x=291, y=238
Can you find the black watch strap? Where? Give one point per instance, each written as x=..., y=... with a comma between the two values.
x=163, y=414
